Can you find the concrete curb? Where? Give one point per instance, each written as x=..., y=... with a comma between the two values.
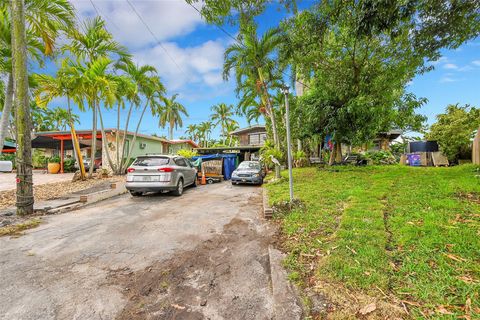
x=285, y=301
x=267, y=210
x=84, y=200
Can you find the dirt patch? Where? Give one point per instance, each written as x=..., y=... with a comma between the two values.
x=56, y=190
x=335, y=301
x=226, y=277
x=469, y=196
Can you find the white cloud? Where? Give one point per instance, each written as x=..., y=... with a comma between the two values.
x=196, y=65
x=450, y=66
x=476, y=63
x=167, y=19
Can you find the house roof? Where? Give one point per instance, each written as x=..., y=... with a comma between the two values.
x=190, y=142
x=88, y=132
x=247, y=129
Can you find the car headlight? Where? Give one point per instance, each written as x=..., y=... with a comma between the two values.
x=255, y=175
x=234, y=174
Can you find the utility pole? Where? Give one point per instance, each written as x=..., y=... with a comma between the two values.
x=22, y=110
x=289, y=143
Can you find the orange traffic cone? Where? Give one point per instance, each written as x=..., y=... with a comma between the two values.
x=204, y=180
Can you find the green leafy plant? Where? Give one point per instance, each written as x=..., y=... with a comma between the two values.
x=69, y=165
x=380, y=157
x=299, y=158
x=54, y=159
x=187, y=153
x=268, y=151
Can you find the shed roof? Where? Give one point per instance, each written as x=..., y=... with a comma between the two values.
x=248, y=129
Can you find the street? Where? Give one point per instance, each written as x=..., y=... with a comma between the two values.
x=202, y=255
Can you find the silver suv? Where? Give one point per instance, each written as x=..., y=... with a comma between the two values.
x=160, y=173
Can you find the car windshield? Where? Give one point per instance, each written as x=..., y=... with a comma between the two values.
x=248, y=166
x=151, y=162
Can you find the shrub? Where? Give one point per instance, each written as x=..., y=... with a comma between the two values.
x=380, y=157
x=54, y=159
x=187, y=153
x=69, y=165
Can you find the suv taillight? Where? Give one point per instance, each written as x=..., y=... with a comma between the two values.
x=166, y=169
x=130, y=170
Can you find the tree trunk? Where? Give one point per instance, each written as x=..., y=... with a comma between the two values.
x=93, y=151
x=105, y=142
x=338, y=154
x=25, y=198
x=135, y=136
x=331, y=160
x=124, y=140
x=170, y=132
x=7, y=110
x=117, y=140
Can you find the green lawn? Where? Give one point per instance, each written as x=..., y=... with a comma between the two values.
x=409, y=234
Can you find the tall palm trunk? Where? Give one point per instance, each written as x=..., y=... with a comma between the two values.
x=271, y=113
x=117, y=139
x=93, y=151
x=124, y=140
x=105, y=142
x=135, y=136
x=22, y=113
x=170, y=134
x=7, y=110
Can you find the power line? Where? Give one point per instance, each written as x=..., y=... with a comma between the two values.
x=241, y=44
x=103, y=16
x=155, y=37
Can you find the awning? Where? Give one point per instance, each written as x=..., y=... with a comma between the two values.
x=50, y=143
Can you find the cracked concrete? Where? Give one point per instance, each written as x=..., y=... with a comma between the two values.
x=60, y=270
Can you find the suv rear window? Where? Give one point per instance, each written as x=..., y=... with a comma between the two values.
x=151, y=162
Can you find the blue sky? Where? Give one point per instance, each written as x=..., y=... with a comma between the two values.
x=197, y=49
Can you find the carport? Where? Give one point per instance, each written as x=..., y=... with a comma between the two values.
x=230, y=162
x=56, y=142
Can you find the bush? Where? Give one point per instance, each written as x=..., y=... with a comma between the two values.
x=54, y=159
x=299, y=158
x=38, y=159
x=380, y=157
x=69, y=165
x=189, y=154
x=268, y=151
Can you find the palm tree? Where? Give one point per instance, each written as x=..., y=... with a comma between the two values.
x=44, y=20
x=171, y=113
x=252, y=61
x=145, y=83
x=192, y=132
x=205, y=128
x=231, y=126
x=222, y=115
x=92, y=44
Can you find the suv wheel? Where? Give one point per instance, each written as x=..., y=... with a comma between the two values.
x=135, y=193
x=179, y=191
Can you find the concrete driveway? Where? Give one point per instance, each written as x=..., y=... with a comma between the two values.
x=7, y=180
x=202, y=255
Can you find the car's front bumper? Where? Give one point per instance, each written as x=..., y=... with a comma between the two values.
x=249, y=180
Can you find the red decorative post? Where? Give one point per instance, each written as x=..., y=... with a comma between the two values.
x=61, y=156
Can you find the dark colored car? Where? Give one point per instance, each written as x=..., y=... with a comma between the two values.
x=249, y=172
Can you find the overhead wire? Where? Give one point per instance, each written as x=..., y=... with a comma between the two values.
x=241, y=44
x=155, y=37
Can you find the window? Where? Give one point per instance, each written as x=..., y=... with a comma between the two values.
x=151, y=162
x=181, y=162
x=257, y=138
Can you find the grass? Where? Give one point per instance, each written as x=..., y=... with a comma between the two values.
x=16, y=229
x=412, y=234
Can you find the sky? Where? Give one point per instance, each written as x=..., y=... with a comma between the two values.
x=188, y=54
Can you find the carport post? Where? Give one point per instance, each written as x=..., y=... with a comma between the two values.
x=289, y=145
x=61, y=156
